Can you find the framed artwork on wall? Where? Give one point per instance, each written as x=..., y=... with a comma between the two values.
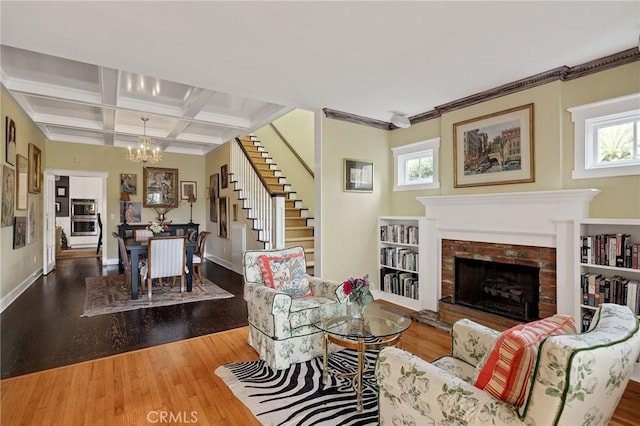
x=130, y=212
x=224, y=176
x=160, y=187
x=19, y=232
x=129, y=183
x=22, y=171
x=494, y=149
x=187, y=188
x=35, y=169
x=223, y=217
x=10, y=141
x=358, y=175
x=31, y=221
x=8, y=188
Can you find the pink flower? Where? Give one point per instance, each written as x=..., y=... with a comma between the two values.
x=346, y=287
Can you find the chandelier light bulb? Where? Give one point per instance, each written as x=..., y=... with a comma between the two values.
x=145, y=154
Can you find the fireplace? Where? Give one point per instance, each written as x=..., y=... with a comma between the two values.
x=505, y=289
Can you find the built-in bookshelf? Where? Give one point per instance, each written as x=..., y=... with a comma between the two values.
x=609, y=265
x=399, y=260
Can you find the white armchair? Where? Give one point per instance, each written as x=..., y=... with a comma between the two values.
x=281, y=327
x=167, y=258
x=577, y=379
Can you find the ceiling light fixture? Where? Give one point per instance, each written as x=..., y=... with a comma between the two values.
x=144, y=153
x=400, y=121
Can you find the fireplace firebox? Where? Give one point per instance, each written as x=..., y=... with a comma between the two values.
x=505, y=289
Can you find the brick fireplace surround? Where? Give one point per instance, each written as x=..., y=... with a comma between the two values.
x=537, y=228
x=540, y=257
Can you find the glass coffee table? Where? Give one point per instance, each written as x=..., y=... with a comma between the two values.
x=380, y=327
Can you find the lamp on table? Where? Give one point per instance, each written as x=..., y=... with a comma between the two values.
x=124, y=196
x=191, y=200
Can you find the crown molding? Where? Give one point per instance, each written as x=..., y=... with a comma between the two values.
x=562, y=73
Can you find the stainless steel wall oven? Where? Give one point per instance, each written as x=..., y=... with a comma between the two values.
x=84, y=218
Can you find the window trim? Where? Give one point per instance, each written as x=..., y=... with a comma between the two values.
x=583, y=117
x=415, y=148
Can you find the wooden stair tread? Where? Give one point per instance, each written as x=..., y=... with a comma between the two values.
x=299, y=238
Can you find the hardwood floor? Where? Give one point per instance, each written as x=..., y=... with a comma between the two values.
x=176, y=380
x=43, y=328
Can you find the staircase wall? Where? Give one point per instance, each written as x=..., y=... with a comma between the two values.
x=297, y=128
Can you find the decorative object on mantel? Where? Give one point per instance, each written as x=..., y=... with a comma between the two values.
x=359, y=293
x=494, y=149
x=144, y=154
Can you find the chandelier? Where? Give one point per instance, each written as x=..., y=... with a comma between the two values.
x=144, y=153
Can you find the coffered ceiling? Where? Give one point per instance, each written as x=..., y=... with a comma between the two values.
x=72, y=101
x=207, y=71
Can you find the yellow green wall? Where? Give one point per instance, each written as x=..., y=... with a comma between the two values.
x=18, y=266
x=349, y=228
x=297, y=128
x=74, y=156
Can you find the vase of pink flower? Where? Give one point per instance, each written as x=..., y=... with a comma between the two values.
x=158, y=228
x=359, y=293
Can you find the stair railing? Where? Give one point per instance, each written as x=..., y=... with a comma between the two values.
x=263, y=205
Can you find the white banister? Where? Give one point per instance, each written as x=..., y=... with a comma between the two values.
x=267, y=211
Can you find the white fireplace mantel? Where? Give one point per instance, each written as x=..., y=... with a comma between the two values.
x=537, y=218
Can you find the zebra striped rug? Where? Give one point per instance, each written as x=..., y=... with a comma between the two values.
x=296, y=396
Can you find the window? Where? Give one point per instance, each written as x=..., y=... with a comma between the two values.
x=607, y=138
x=416, y=166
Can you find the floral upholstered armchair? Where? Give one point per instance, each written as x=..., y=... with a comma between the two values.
x=575, y=379
x=283, y=303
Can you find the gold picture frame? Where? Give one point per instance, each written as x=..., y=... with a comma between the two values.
x=494, y=149
x=35, y=169
x=160, y=187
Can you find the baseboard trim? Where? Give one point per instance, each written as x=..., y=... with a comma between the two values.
x=222, y=262
x=16, y=292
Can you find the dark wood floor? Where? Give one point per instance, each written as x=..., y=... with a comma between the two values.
x=43, y=328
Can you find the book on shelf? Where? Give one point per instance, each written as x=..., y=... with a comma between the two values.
x=610, y=250
x=401, y=258
x=400, y=283
x=597, y=289
x=399, y=233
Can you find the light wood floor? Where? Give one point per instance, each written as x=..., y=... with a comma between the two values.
x=178, y=378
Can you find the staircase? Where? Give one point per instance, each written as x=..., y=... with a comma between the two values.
x=299, y=229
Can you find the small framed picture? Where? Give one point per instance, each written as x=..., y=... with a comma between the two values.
x=187, y=188
x=61, y=191
x=129, y=183
x=358, y=175
x=224, y=176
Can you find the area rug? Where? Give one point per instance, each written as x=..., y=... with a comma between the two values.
x=296, y=396
x=106, y=295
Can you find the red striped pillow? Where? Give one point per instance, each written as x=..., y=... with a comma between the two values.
x=508, y=367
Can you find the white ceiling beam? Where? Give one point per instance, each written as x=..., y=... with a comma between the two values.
x=197, y=100
x=68, y=122
x=109, y=82
x=35, y=88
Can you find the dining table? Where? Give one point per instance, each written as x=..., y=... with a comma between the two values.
x=138, y=249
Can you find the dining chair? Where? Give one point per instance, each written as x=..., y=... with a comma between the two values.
x=166, y=258
x=198, y=255
x=141, y=234
x=126, y=264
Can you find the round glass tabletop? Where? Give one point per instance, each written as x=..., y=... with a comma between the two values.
x=379, y=321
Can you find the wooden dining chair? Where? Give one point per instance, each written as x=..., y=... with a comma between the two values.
x=166, y=258
x=126, y=263
x=198, y=255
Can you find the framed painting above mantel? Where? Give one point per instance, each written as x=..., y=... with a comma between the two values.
x=494, y=149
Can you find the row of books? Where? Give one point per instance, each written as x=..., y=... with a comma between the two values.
x=400, y=283
x=402, y=258
x=405, y=234
x=610, y=250
x=597, y=289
